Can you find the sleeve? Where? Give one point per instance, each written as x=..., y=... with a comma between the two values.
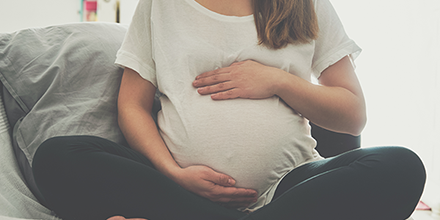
x=332, y=43
x=136, y=49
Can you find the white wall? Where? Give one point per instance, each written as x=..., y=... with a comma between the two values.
x=399, y=71
x=19, y=14
x=127, y=8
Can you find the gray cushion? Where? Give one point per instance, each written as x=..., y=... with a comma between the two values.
x=60, y=80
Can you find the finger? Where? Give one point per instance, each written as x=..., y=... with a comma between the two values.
x=233, y=194
x=211, y=80
x=116, y=218
x=220, y=179
x=220, y=87
x=228, y=94
x=214, y=72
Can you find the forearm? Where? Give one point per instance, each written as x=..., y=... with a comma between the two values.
x=135, y=102
x=142, y=135
x=337, y=104
x=331, y=107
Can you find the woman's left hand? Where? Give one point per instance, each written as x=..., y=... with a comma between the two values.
x=246, y=79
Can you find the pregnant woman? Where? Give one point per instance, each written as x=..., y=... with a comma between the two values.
x=233, y=137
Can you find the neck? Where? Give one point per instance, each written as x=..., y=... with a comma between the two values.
x=229, y=7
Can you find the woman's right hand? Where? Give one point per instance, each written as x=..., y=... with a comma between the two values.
x=215, y=186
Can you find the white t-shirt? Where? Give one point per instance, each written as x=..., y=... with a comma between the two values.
x=256, y=142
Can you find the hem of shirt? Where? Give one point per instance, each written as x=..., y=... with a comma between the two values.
x=128, y=60
x=333, y=56
x=270, y=193
x=266, y=197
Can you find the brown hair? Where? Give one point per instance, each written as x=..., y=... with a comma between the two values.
x=281, y=22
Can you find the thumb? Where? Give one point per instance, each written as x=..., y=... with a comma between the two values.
x=117, y=218
x=223, y=180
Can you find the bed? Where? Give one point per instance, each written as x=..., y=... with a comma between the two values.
x=57, y=80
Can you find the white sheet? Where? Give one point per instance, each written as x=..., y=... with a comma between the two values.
x=16, y=200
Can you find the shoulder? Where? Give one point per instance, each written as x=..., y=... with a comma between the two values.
x=145, y=3
x=326, y=14
x=324, y=9
x=322, y=4
x=143, y=8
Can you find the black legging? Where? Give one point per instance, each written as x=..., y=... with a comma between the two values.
x=84, y=177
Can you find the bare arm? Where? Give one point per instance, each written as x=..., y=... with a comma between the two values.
x=337, y=104
x=135, y=103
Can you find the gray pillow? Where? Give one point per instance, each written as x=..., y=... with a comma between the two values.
x=60, y=80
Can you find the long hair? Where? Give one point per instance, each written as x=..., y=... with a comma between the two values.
x=283, y=22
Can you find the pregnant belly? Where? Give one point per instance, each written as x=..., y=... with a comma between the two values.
x=254, y=141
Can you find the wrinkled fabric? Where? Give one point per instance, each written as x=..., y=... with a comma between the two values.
x=60, y=80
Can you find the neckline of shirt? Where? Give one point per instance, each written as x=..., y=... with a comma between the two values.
x=219, y=16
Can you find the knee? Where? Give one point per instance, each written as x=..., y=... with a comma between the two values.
x=404, y=160
x=403, y=165
x=404, y=178
x=48, y=155
x=63, y=152
x=45, y=151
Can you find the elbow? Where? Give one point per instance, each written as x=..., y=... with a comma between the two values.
x=355, y=132
x=358, y=120
x=353, y=127
x=121, y=117
x=357, y=125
